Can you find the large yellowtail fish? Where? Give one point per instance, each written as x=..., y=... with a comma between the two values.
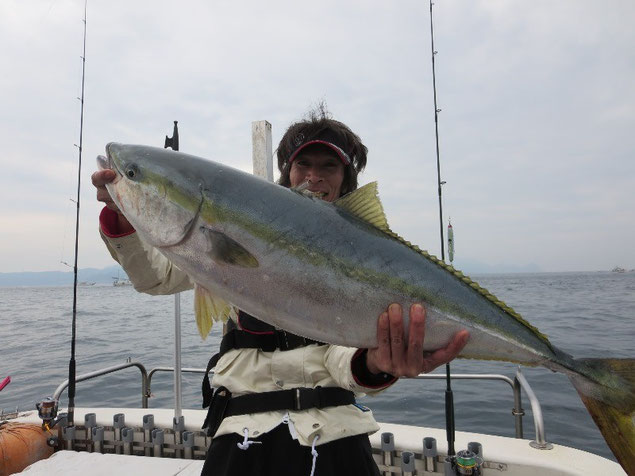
x=327, y=270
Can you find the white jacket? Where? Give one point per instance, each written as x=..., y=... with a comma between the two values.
x=245, y=371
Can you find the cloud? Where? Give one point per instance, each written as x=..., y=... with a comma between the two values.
x=535, y=130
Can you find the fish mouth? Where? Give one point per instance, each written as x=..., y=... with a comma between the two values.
x=103, y=162
x=112, y=163
x=108, y=162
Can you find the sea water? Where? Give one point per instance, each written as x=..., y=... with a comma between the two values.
x=585, y=314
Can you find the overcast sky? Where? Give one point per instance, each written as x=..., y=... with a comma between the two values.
x=537, y=129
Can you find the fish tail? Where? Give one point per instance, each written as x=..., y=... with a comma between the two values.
x=607, y=388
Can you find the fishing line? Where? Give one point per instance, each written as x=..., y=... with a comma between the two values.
x=71, y=364
x=449, y=399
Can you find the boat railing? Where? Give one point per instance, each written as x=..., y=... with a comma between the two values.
x=171, y=369
x=540, y=442
x=145, y=393
x=517, y=410
x=519, y=382
x=516, y=384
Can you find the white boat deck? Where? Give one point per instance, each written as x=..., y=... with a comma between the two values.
x=503, y=456
x=80, y=463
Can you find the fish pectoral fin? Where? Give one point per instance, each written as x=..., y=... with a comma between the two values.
x=223, y=249
x=364, y=203
x=209, y=308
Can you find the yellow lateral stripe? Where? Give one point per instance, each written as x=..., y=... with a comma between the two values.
x=365, y=204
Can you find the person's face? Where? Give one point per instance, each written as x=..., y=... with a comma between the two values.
x=321, y=169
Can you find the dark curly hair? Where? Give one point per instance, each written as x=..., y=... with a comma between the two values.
x=317, y=124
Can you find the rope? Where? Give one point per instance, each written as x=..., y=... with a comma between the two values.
x=247, y=442
x=314, y=453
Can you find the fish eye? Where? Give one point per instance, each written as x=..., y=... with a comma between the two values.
x=131, y=172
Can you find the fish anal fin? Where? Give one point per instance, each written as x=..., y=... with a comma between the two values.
x=364, y=203
x=209, y=308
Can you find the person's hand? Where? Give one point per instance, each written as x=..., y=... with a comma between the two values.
x=407, y=359
x=100, y=179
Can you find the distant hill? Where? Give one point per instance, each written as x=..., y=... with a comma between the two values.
x=61, y=278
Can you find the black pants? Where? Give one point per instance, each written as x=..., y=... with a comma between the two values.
x=279, y=454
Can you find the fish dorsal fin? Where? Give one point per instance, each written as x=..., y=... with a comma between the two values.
x=209, y=308
x=364, y=203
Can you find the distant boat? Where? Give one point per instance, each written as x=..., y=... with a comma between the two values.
x=117, y=281
x=617, y=269
x=85, y=283
x=121, y=282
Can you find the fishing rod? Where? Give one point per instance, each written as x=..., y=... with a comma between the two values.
x=449, y=398
x=71, y=364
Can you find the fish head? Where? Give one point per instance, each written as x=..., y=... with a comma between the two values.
x=158, y=197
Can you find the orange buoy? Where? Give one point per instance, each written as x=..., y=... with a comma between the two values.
x=21, y=444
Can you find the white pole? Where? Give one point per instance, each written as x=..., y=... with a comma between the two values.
x=262, y=153
x=177, y=356
x=178, y=422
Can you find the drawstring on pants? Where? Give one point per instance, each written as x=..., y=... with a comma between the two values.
x=287, y=421
x=314, y=453
x=247, y=442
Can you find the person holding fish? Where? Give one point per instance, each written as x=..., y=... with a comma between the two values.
x=282, y=399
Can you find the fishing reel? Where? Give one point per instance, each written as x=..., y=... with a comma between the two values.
x=47, y=411
x=466, y=462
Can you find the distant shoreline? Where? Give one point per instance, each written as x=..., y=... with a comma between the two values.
x=106, y=276
x=62, y=278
